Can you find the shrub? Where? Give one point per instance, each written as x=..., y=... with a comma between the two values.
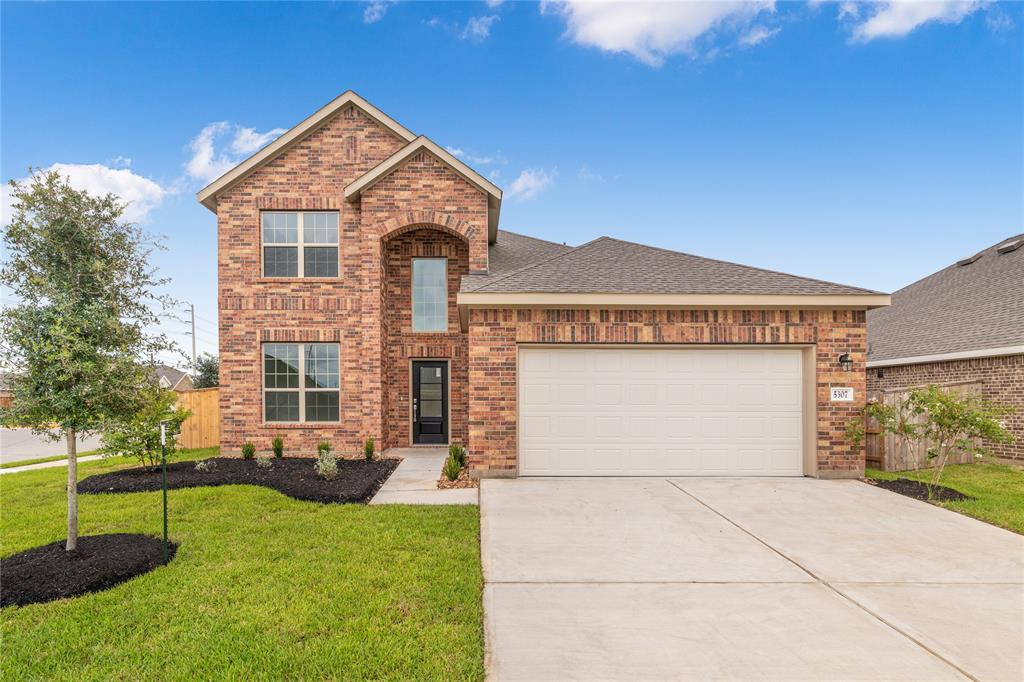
x=278, y=445
x=368, y=448
x=451, y=468
x=326, y=465
x=206, y=465
x=138, y=435
x=248, y=450
x=458, y=452
x=264, y=462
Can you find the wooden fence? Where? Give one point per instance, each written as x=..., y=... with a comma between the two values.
x=886, y=452
x=202, y=429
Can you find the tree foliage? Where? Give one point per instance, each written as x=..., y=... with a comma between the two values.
x=74, y=332
x=944, y=420
x=139, y=436
x=206, y=371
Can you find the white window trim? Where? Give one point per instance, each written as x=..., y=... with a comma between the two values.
x=412, y=296
x=302, y=390
x=299, y=246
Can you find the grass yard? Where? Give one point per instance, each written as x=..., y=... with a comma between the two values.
x=998, y=490
x=263, y=586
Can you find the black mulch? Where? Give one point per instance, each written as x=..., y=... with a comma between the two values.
x=50, y=572
x=357, y=480
x=919, y=491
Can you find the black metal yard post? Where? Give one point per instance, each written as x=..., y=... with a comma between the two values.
x=163, y=461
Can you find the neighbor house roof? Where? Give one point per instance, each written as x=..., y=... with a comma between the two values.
x=972, y=308
x=172, y=378
x=355, y=189
x=208, y=195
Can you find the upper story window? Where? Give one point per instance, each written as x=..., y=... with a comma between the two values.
x=300, y=244
x=429, y=294
x=301, y=382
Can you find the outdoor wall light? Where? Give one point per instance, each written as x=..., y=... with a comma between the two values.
x=846, y=362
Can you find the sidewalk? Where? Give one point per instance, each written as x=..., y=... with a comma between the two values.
x=415, y=480
x=48, y=465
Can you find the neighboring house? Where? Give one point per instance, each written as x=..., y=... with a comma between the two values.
x=366, y=290
x=6, y=394
x=965, y=323
x=173, y=379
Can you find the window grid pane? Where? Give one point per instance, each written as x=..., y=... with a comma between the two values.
x=429, y=294
x=320, y=261
x=282, y=406
x=280, y=228
x=321, y=365
x=281, y=365
x=317, y=398
x=322, y=406
x=320, y=228
x=281, y=261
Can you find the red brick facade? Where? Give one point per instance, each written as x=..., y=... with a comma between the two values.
x=1002, y=382
x=423, y=201
x=494, y=335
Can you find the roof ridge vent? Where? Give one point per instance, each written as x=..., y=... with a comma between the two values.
x=968, y=260
x=1010, y=246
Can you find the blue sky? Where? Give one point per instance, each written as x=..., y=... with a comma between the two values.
x=869, y=144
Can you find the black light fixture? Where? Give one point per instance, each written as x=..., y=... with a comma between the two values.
x=846, y=362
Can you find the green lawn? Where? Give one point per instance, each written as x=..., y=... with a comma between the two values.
x=263, y=586
x=998, y=490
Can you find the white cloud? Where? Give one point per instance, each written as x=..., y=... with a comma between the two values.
x=120, y=162
x=478, y=29
x=587, y=175
x=471, y=158
x=757, y=35
x=375, y=10
x=140, y=193
x=997, y=22
x=531, y=182
x=896, y=19
x=494, y=3
x=207, y=163
x=849, y=9
x=650, y=31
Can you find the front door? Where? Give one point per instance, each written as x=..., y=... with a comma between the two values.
x=429, y=402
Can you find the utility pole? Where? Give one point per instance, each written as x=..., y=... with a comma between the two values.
x=192, y=308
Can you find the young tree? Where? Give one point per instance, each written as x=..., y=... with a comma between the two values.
x=84, y=296
x=206, y=371
x=139, y=436
x=945, y=421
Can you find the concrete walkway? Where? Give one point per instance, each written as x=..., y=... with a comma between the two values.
x=704, y=578
x=415, y=480
x=48, y=465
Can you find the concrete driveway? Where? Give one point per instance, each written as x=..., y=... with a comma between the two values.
x=17, y=445
x=704, y=578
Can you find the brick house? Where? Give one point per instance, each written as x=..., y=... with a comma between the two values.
x=366, y=290
x=962, y=324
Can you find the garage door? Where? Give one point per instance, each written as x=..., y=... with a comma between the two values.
x=586, y=411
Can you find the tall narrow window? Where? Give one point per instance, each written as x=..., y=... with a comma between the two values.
x=300, y=244
x=429, y=295
x=301, y=382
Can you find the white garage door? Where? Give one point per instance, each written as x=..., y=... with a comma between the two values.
x=586, y=411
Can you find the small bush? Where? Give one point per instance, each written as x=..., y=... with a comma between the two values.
x=206, y=465
x=278, y=446
x=264, y=462
x=458, y=453
x=326, y=465
x=451, y=468
x=368, y=448
x=248, y=450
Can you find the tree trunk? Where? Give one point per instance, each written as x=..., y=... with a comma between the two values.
x=72, y=543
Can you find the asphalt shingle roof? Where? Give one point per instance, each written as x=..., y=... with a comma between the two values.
x=512, y=251
x=613, y=266
x=959, y=308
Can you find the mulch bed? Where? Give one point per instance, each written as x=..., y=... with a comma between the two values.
x=919, y=491
x=357, y=480
x=45, y=573
x=463, y=481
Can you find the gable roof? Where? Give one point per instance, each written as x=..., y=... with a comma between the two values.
x=512, y=251
x=613, y=266
x=422, y=143
x=972, y=308
x=208, y=195
x=170, y=377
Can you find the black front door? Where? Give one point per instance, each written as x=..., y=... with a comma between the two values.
x=429, y=402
